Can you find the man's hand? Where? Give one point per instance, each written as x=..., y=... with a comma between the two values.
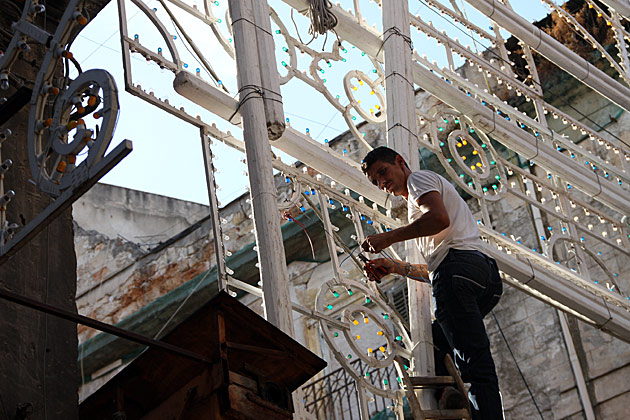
x=378, y=268
x=376, y=243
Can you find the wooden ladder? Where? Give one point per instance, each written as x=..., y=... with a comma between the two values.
x=409, y=384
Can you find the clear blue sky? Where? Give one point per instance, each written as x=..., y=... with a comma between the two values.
x=167, y=156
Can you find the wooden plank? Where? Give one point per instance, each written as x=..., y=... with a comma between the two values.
x=416, y=410
x=458, y=414
x=452, y=370
x=431, y=381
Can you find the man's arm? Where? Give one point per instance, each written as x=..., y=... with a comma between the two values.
x=380, y=267
x=434, y=220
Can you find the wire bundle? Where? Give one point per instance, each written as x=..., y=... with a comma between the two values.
x=322, y=19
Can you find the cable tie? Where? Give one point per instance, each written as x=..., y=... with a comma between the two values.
x=533, y=277
x=401, y=75
x=249, y=21
x=610, y=317
x=394, y=31
x=400, y=125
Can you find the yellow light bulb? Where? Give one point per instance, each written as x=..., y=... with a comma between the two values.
x=380, y=333
x=355, y=322
x=463, y=157
x=382, y=349
x=366, y=320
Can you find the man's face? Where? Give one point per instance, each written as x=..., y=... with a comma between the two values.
x=389, y=177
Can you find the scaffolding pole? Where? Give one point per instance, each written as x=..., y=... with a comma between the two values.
x=271, y=255
x=402, y=137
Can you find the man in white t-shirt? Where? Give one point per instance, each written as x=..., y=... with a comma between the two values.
x=466, y=282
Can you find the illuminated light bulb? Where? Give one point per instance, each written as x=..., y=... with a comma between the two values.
x=370, y=350
x=459, y=145
x=475, y=152
x=358, y=337
x=82, y=20
x=366, y=320
x=336, y=334
x=472, y=167
x=355, y=322
x=382, y=348
x=329, y=307
x=479, y=164
x=379, y=333
x=463, y=157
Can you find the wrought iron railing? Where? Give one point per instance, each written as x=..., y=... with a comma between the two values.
x=335, y=396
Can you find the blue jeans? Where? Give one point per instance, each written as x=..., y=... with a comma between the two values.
x=466, y=286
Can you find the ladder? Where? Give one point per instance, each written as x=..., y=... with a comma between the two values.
x=410, y=383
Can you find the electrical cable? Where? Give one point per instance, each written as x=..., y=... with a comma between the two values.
x=349, y=255
x=322, y=19
x=181, y=305
x=498, y=57
x=516, y=363
x=112, y=34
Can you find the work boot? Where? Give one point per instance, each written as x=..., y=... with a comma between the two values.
x=451, y=399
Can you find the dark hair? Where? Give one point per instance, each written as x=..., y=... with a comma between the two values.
x=380, y=154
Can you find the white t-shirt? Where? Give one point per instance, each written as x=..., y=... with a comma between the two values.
x=462, y=232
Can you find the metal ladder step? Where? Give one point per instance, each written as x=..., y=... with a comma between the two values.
x=460, y=413
x=410, y=383
x=431, y=381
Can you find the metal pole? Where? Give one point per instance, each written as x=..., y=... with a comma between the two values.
x=273, y=270
x=213, y=203
x=575, y=366
x=98, y=325
x=402, y=137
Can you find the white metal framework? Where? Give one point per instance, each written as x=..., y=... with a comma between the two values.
x=577, y=194
x=579, y=188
